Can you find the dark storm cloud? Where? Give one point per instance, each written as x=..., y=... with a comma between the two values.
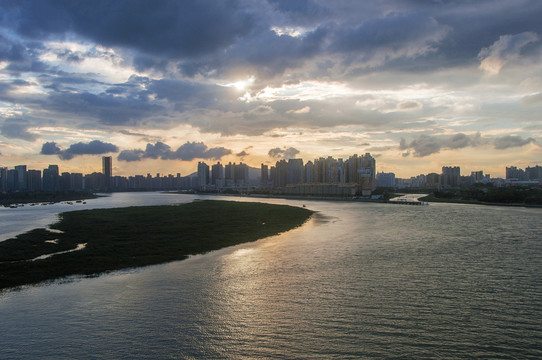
x=10, y=50
x=21, y=57
x=208, y=35
x=131, y=155
x=95, y=147
x=167, y=27
x=189, y=95
x=109, y=109
x=186, y=152
x=268, y=54
x=426, y=145
x=50, y=148
x=17, y=129
x=510, y=141
x=397, y=33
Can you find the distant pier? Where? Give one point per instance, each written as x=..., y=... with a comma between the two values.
x=408, y=200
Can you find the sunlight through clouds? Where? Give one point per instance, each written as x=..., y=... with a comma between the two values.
x=270, y=74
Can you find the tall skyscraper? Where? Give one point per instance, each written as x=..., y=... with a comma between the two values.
x=264, y=173
x=21, y=183
x=107, y=170
x=203, y=175
x=217, y=174
x=3, y=179
x=50, y=178
x=451, y=176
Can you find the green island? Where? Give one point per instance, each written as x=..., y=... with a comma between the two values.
x=25, y=197
x=91, y=242
x=489, y=195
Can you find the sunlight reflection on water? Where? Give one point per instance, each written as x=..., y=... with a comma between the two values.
x=356, y=281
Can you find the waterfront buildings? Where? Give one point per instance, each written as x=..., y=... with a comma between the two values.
x=324, y=176
x=386, y=180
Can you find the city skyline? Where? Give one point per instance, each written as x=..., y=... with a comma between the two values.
x=217, y=170
x=419, y=85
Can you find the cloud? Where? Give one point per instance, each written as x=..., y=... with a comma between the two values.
x=504, y=50
x=426, y=145
x=109, y=109
x=409, y=105
x=186, y=152
x=286, y=153
x=187, y=28
x=95, y=147
x=532, y=99
x=423, y=146
x=131, y=155
x=50, y=148
x=304, y=110
x=17, y=129
x=383, y=39
x=242, y=154
x=510, y=141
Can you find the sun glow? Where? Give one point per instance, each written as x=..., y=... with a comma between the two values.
x=241, y=84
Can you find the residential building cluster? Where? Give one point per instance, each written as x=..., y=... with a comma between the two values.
x=20, y=179
x=322, y=177
x=450, y=177
x=521, y=176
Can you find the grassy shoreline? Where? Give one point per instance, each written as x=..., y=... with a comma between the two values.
x=431, y=198
x=44, y=197
x=138, y=236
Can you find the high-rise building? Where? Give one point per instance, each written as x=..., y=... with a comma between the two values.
x=534, y=173
x=203, y=174
x=33, y=180
x=294, y=171
x=50, y=179
x=240, y=174
x=451, y=176
x=217, y=174
x=309, y=172
x=107, y=170
x=11, y=180
x=3, y=179
x=264, y=174
x=20, y=181
x=385, y=180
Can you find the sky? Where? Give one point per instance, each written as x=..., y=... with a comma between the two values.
x=160, y=85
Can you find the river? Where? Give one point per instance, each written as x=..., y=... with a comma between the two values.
x=359, y=280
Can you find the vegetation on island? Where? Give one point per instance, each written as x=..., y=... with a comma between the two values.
x=25, y=197
x=138, y=236
x=524, y=196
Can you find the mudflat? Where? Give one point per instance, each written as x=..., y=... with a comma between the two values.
x=90, y=242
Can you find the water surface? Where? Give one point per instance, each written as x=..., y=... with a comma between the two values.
x=359, y=280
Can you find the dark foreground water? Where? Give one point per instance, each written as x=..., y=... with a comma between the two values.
x=358, y=281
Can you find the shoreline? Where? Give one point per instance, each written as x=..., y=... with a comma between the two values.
x=131, y=237
x=422, y=198
x=45, y=198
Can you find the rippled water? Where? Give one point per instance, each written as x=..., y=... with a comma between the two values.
x=359, y=280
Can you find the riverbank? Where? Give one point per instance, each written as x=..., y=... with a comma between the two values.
x=113, y=239
x=432, y=198
x=44, y=197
